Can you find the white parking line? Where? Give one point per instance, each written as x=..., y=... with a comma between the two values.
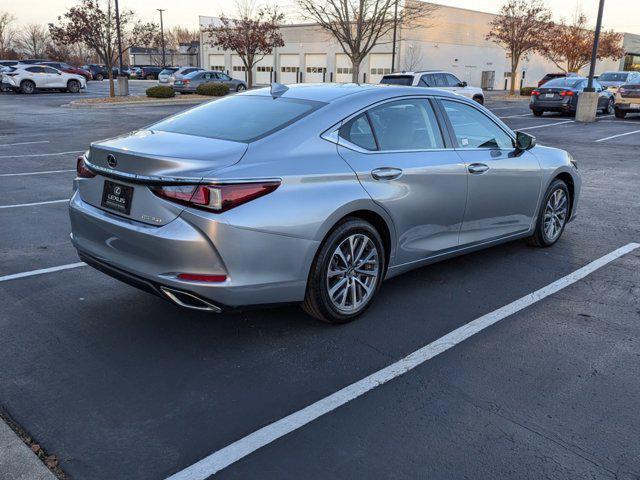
x=22, y=143
x=40, y=154
x=547, y=125
x=258, y=439
x=515, y=116
x=6, y=278
x=34, y=173
x=34, y=204
x=616, y=136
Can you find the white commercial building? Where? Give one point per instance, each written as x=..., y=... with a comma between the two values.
x=451, y=39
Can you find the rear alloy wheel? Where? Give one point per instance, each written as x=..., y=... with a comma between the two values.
x=610, y=108
x=27, y=87
x=73, y=86
x=99, y=77
x=240, y=88
x=553, y=216
x=346, y=273
x=538, y=113
x=620, y=113
x=149, y=77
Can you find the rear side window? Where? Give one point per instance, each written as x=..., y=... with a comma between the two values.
x=241, y=118
x=406, y=125
x=473, y=129
x=397, y=80
x=358, y=131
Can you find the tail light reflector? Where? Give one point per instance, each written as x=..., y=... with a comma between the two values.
x=82, y=170
x=198, y=277
x=566, y=93
x=215, y=198
x=535, y=92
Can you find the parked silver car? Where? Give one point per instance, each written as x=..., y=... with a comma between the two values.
x=312, y=194
x=170, y=74
x=189, y=83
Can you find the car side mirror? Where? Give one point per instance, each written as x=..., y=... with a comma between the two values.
x=524, y=141
x=462, y=84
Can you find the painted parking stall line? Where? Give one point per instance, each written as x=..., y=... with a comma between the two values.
x=270, y=433
x=616, y=136
x=59, y=268
x=548, y=125
x=41, y=154
x=23, y=143
x=34, y=204
x=35, y=173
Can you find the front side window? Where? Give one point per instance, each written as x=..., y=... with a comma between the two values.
x=35, y=69
x=242, y=118
x=358, y=131
x=473, y=129
x=406, y=125
x=451, y=80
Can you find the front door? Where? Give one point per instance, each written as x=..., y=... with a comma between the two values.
x=398, y=152
x=504, y=184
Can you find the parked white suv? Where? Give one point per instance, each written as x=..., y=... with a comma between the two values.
x=169, y=75
x=437, y=79
x=30, y=78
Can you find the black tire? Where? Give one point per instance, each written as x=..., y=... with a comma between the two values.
x=538, y=113
x=240, y=88
x=149, y=77
x=540, y=237
x=317, y=302
x=73, y=86
x=610, y=108
x=27, y=87
x=479, y=99
x=99, y=77
x=620, y=113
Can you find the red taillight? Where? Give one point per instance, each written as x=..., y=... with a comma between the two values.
x=566, y=93
x=82, y=170
x=215, y=198
x=535, y=92
x=197, y=277
x=186, y=82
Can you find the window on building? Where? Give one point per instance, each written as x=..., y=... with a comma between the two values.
x=217, y=67
x=473, y=129
x=344, y=70
x=239, y=68
x=632, y=62
x=316, y=69
x=289, y=69
x=264, y=69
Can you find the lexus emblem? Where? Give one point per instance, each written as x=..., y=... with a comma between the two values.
x=111, y=161
x=117, y=190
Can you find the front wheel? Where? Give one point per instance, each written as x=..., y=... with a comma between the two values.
x=99, y=77
x=149, y=77
x=27, y=87
x=240, y=88
x=73, y=86
x=346, y=274
x=553, y=215
x=610, y=108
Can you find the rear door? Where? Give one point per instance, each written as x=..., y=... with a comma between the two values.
x=403, y=161
x=504, y=185
x=55, y=79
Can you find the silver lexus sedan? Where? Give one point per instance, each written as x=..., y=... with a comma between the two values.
x=312, y=194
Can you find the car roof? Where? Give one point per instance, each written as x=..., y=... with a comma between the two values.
x=329, y=92
x=417, y=72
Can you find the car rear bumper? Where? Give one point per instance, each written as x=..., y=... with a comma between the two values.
x=629, y=106
x=261, y=267
x=553, y=106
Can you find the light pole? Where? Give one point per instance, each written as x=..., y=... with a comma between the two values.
x=588, y=100
x=395, y=27
x=123, y=82
x=162, y=36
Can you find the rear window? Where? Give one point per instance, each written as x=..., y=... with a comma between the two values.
x=613, y=77
x=569, y=82
x=397, y=80
x=167, y=71
x=241, y=118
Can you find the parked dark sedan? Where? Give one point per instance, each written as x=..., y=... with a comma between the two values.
x=561, y=95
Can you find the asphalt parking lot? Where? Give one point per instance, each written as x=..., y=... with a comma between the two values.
x=120, y=384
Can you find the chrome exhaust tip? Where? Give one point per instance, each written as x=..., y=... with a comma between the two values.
x=189, y=300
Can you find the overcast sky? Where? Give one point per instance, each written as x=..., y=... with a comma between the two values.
x=621, y=15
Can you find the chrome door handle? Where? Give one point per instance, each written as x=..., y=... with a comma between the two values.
x=386, y=173
x=477, y=168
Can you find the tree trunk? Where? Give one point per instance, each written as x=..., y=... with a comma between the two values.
x=514, y=73
x=355, y=70
x=249, y=78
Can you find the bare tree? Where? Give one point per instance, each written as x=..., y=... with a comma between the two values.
x=251, y=36
x=412, y=58
x=177, y=35
x=7, y=34
x=33, y=40
x=521, y=29
x=569, y=44
x=359, y=25
x=93, y=23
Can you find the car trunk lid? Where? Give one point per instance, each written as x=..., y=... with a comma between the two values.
x=146, y=158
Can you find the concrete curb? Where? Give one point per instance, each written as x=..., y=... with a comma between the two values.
x=17, y=461
x=91, y=106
